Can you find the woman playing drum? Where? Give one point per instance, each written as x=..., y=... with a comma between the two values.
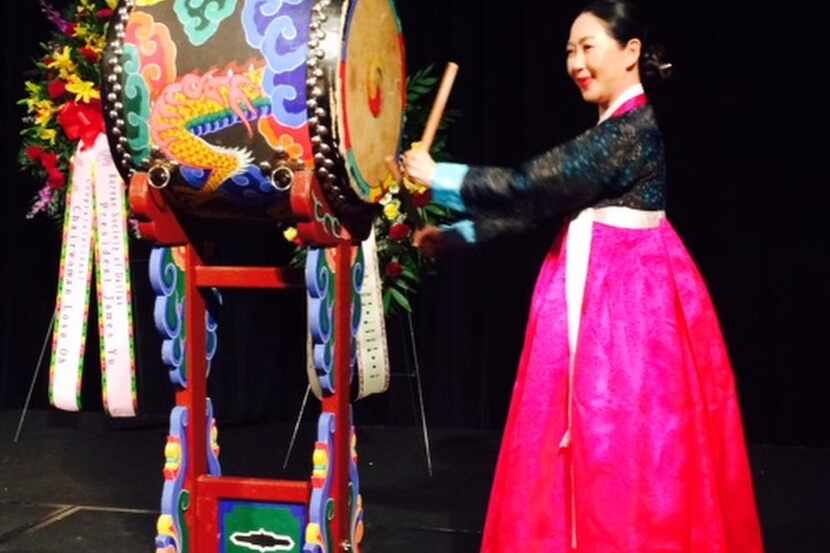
x=624, y=432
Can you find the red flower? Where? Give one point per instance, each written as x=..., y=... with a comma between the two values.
x=394, y=269
x=34, y=153
x=70, y=30
x=55, y=178
x=82, y=121
x=49, y=161
x=57, y=89
x=399, y=232
x=422, y=200
x=106, y=13
x=90, y=55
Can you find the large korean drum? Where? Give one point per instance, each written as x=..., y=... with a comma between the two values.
x=221, y=102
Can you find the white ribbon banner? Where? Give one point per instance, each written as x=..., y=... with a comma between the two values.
x=372, y=351
x=95, y=220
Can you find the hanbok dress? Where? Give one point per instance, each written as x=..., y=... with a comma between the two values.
x=624, y=433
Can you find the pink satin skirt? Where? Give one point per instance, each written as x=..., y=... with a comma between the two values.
x=657, y=460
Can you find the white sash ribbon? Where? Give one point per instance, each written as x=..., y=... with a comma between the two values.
x=577, y=257
x=372, y=351
x=95, y=221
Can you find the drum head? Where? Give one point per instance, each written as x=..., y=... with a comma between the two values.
x=373, y=93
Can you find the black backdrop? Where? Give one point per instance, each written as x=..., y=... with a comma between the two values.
x=756, y=232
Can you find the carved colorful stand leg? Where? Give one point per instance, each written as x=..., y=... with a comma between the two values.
x=203, y=511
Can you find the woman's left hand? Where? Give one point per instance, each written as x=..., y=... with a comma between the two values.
x=430, y=240
x=419, y=166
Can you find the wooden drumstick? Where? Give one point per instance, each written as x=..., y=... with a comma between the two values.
x=438, y=106
x=428, y=136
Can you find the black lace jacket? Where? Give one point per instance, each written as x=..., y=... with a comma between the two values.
x=618, y=162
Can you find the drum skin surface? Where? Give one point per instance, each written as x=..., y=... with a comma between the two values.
x=373, y=92
x=215, y=96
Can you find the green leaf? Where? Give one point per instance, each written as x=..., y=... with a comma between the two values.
x=410, y=275
x=420, y=89
x=427, y=83
x=402, y=285
x=400, y=299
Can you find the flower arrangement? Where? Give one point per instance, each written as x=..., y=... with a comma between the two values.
x=63, y=99
x=63, y=108
x=402, y=266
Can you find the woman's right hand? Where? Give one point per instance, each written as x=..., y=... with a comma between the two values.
x=418, y=166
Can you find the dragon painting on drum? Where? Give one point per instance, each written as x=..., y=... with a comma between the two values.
x=221, y=101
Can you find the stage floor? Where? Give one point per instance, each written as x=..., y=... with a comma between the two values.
x=80, y=483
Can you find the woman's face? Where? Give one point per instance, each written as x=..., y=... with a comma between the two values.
x=600, y=66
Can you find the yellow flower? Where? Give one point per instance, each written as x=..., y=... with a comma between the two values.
x=43, y=117
x=392, y=210
x=89, y=6
x=389, y=181
x=96, y=43
x=82, y=31
x=50, y=135
x=375, y=193
x=84, y=91
x=290, y=234
x=45, y=110
x=391, y=184
x=414, y=187
x=34, y=89
x=112, y=4
x=62, y=61
x=35, y=94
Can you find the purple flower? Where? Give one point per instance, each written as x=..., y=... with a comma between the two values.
x=55, y=17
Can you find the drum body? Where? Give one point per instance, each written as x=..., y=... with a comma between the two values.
x=223, y=101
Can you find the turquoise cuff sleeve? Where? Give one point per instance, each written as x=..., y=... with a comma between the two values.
x=464, y=230
x=446, y=185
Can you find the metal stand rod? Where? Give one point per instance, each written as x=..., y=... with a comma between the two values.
x=296, y=427
x=424, y=428
x=421, y=406
x=34, y=377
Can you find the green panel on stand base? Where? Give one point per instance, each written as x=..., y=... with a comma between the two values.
x=257, y=527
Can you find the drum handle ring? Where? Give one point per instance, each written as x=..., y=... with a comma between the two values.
x=166, y=176
x=283, y=173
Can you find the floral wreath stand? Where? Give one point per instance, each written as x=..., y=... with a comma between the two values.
x=412, y=374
